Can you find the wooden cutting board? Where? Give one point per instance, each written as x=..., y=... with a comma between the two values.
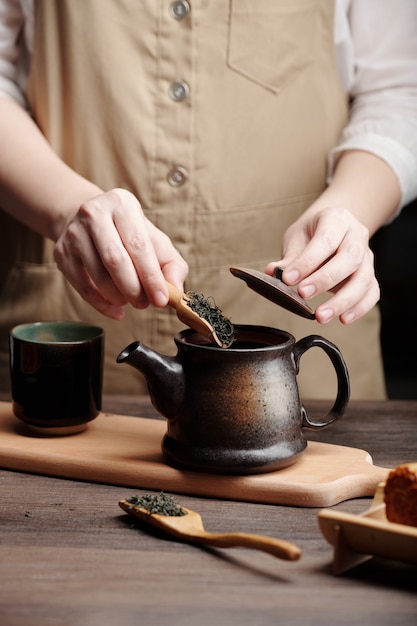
x=126, y=451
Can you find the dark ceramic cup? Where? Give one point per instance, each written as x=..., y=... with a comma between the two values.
x=56, y=371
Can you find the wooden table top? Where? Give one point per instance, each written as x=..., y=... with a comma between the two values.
x=69, y=555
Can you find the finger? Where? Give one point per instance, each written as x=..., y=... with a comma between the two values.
x=125, y=249
x=315, y=254
x=173, y=265
x=275, y=266
x=146, y=266
x=324, y=234
x=115, y=271
x=75, y=272
x=352, y=300
x=349, y=257
x=78, y=245
x=362, y=307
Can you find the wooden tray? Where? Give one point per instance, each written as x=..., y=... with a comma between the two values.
x=357, y=538
x=121, y=450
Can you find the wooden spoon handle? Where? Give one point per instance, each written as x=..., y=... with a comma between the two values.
x=176, y=296
x=277, y=547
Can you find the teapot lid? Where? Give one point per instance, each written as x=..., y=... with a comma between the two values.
x=273, y=288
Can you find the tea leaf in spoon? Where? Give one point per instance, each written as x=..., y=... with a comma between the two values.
x=159, y=503
x=207, y=309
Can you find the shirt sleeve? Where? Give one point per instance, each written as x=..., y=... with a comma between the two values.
x=13, y=51
x=381, y=39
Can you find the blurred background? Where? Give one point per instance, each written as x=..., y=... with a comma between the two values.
x=395, y=249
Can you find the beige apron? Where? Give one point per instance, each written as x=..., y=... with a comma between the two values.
x=220, y=123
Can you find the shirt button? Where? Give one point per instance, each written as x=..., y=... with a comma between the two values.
x=179, y=91
x=179, y=9
x=177, y=176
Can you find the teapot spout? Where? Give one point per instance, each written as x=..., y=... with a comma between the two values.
x=163, y=374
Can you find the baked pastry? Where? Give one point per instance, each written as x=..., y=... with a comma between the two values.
x=400, y=495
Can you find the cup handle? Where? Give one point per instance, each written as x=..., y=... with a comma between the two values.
x=343, y=384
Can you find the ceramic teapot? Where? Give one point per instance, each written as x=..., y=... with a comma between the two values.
x=235, y=410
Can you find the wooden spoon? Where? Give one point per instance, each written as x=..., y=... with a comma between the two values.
x=190, y=527
x=179, y=301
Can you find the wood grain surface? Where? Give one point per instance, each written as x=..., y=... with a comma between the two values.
x=70, y=557
x=122, y=450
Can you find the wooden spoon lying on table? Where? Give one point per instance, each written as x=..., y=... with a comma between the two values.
x=190, y=528
x=180, y=302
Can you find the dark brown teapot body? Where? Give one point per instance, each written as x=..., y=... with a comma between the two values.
x=235, y=410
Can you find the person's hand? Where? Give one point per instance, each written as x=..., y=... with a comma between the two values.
x=113, y=255
x=328, y=250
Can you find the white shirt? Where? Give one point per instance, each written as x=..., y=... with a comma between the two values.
x=376, y=54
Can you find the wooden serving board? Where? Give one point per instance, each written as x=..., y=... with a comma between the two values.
x=126, y=451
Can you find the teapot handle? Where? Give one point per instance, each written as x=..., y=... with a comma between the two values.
x=343, y=384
